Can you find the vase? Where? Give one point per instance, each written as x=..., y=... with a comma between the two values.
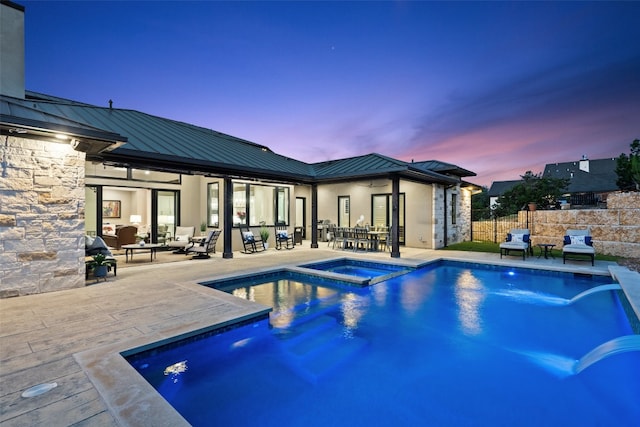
x=100, y=271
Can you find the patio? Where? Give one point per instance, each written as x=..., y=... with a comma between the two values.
x=50, y=337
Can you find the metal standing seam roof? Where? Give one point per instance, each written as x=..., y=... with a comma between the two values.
x=442, y=167
x=28, y=116
x=153, y=141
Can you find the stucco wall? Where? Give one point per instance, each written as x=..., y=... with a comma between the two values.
x=41, y=217
x=615, y=230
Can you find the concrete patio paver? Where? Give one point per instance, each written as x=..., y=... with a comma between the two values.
x=59, y=337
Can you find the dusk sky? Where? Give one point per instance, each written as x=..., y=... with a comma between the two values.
x=496, y=88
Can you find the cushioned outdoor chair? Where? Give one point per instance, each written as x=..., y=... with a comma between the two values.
x=518, y=240
x=250, y=242
x=181, y=240
x=577, y=245
x=283, y=238
x=201, y=250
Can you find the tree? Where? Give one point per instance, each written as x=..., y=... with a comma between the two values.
x=480, y=205
x=628, y=169
x=534, y=188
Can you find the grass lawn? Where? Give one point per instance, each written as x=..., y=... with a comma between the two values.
x=495, y=248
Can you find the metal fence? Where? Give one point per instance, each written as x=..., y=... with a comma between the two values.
x=495, y=229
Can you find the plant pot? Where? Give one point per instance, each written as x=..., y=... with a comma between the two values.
x=266, y=246
x=100, y=270
x=532, y=207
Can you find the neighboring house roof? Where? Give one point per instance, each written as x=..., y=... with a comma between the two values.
x=586, y=175
x=498, y=188
x=153, y=141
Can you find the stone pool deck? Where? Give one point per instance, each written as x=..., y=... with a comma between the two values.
x=74, y=337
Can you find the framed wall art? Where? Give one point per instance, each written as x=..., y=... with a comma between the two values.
x=111, y=209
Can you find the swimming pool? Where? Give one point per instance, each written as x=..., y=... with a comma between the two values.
x=453, y=344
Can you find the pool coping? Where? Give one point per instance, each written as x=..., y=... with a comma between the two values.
x=132, y=401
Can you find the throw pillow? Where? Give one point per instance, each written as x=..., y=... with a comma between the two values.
x=283, y=235
x=517, y=238
x=577, y=240
x=248, y=237
x=182, y=238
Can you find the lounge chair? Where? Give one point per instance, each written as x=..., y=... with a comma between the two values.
x=517, y=240
x=250, y=242
x=181, y=240
x=578, y=244
x=283, y=238
x=201, y=250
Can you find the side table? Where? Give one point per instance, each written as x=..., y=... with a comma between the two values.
x=545, y=249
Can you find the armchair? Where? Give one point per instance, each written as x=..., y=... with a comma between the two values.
x=125, y=235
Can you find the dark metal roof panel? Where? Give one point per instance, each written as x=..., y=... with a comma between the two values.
x=23, y=114
x=442, y=167
x=162, y=137
x=358, y=165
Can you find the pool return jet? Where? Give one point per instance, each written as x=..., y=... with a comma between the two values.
x=545, y=299
x=565, y=366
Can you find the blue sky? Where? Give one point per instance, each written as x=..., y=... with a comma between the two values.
x=498, y=88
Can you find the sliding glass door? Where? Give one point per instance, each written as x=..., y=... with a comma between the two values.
x=165, y=209
x=381, y=212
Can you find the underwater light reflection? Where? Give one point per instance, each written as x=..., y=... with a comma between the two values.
x=469, y=293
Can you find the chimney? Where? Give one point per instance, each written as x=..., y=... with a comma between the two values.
x=11, y=49
x=584, y=163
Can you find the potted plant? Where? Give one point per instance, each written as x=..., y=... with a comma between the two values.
x=100, y=265
x=264, y=235
x=203, y=227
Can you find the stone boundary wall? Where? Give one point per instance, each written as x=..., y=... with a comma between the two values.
x=615, y=230
x=41, y=217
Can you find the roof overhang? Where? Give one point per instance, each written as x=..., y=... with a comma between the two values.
x=87, y=140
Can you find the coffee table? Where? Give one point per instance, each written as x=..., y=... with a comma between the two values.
x=545, y=249
x=151, y=247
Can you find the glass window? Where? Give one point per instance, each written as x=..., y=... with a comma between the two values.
x=261, y=204
x=343, y=211
x=239, y=204
x=282, y=205
x=257, y=204
x=213, y=200
x=454, y=208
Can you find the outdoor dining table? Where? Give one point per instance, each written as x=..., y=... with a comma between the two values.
x=374, y=239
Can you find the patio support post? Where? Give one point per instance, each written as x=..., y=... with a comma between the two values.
x=395, y=217
x=314, y=216
x=227, y=221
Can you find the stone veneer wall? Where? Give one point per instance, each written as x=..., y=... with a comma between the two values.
x=41, y=217
x=615, y=230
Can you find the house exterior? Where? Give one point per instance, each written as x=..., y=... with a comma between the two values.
x=590, y=181
x=71, y=169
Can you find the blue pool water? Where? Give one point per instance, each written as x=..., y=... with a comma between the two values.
x=451, y=345
x=359, y=268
